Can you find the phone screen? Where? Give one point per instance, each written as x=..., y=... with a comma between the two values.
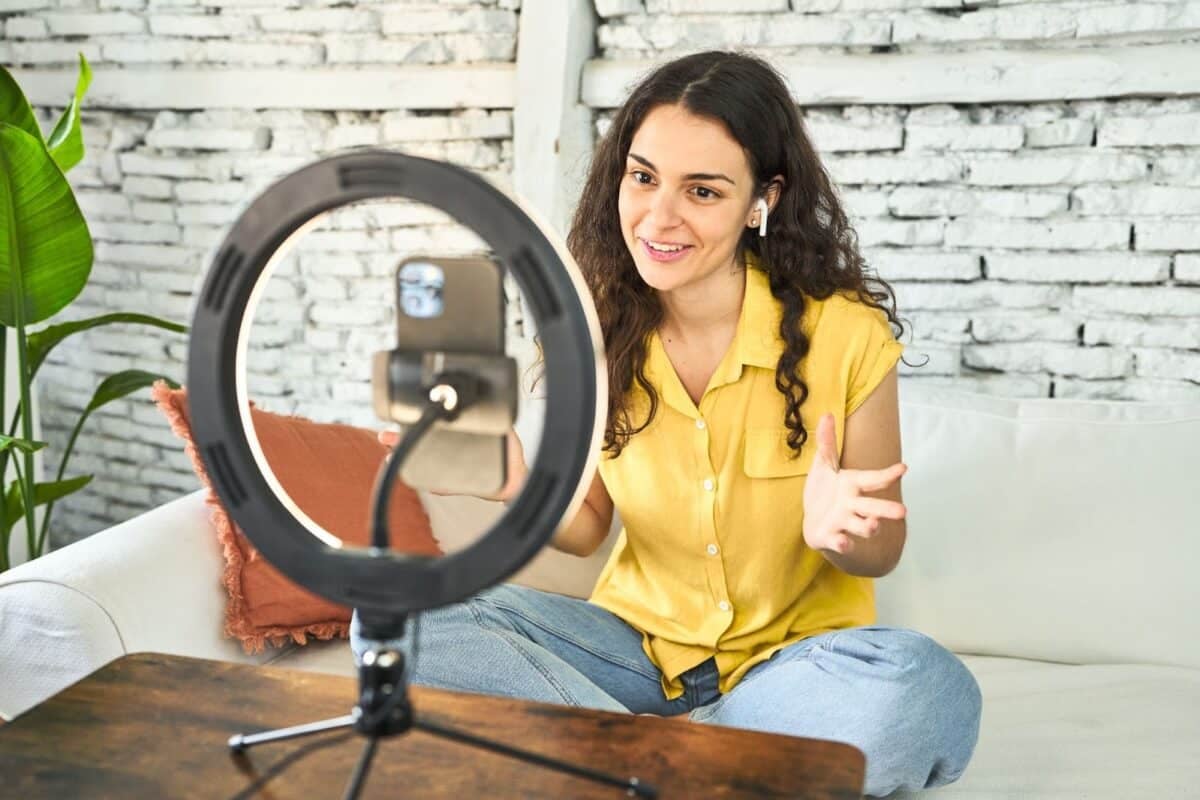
x=453, y=305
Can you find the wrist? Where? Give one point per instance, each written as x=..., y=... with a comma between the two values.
x=513, y=483
x=859, y=562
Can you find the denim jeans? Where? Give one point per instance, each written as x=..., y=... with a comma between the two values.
x=908, y=703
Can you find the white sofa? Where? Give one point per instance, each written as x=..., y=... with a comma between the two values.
x=1053, y=544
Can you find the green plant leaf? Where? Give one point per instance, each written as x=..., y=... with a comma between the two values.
x=17, y=443
x=66, y=140
x=42, y=493
x=14, y=107
x=45, y=245
x=116, y=386
x=111, y=388
x=41, y=342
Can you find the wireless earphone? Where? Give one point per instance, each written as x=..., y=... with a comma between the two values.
x=761, y=206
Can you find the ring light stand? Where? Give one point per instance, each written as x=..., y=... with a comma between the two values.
x=386, y=586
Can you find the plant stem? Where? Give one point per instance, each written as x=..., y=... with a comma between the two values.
x=5, y=527
x=21, y=482
x=26, y=479
x=62, y=468
x=4, y=532
x=18, y=296
x=16, y=420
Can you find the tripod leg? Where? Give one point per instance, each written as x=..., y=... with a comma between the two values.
x=360, y=770
x=240, y=742
x=633, y=786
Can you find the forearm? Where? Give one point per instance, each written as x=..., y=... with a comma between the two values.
x=581, y=536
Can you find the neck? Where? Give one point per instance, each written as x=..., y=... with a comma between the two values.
x=707, y=307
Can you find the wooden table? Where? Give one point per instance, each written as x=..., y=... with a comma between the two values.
x=156, y=726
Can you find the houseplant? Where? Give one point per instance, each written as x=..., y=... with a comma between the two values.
x=45, y=261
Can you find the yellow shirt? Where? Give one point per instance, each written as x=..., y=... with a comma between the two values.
x=712, y=560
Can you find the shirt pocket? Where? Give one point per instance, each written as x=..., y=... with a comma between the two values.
x=768, y=455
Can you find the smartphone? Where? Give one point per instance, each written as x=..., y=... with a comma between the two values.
x=453, y=305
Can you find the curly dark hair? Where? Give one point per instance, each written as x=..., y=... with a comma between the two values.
x=811, y=251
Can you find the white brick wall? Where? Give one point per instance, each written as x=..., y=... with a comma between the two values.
x=1037, y=248
x=191, y=175
x=633, y=28
x=258, y=33
x=161, y=189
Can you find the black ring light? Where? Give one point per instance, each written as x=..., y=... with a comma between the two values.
x=222, y=429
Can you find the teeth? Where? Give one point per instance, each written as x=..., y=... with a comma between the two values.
x=664, y=248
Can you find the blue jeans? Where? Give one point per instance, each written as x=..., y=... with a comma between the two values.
x=908, y=703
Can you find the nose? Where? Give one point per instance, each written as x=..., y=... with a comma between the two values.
x=663, y=212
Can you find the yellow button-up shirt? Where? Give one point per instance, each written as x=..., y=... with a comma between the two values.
x=712, y=560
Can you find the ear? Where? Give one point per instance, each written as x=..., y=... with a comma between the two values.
x=771, y=195
x=774, y=190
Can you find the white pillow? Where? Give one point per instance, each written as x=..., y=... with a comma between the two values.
x=1062, y=530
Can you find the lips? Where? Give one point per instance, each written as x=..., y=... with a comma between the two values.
x=662, y=255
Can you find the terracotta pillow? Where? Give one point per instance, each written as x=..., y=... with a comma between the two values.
x=329, y=471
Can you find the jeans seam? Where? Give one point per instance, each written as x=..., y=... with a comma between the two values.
x=512, y=641
x=582, y=645
x=828, y=644
x=707, y=715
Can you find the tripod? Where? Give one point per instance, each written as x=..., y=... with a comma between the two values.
x=384, y=709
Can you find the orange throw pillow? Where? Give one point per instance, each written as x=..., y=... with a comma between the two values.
x=329, y=471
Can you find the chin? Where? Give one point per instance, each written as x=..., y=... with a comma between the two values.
x=661, y=277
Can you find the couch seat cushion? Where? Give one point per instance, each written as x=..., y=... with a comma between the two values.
x=1082, y=731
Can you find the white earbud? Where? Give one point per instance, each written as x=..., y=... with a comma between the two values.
x=761, y=206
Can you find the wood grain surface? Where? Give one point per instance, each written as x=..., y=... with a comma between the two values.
x=157, y=726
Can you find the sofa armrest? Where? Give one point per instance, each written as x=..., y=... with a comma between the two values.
x=152, y=583
x=51, y=635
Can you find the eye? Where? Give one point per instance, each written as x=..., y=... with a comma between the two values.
x=705, y=193
x=638, y=175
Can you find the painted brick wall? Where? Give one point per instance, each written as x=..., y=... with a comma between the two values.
x=160, y=190
x=1041, y=249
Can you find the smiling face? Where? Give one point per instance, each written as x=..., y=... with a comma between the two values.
x=685, y=198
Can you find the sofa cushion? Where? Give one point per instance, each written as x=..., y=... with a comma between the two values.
x=1100, y=731
x=1059, y=530
x=328, y=471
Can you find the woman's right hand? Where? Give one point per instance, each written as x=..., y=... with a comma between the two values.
x=517, y=469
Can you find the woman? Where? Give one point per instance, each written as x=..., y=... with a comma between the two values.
x=752, y=447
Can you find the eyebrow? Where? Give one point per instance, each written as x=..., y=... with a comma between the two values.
x=694, y=176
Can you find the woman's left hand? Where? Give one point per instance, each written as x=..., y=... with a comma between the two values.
x=837, y=514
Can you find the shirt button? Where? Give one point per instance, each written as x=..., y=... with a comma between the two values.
x=724, y=606
x=708, y=484
x=712, y=549
x=700, y=424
